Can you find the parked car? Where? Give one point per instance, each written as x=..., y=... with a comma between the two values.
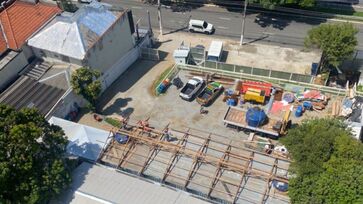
x=87, y=1
x=201, y=27
x=209, y=93
x=191, y=88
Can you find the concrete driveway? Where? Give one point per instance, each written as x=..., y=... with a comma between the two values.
x=131, y=95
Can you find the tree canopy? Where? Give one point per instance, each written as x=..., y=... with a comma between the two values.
x=336, y=41
x=327, y=163
x=85, y=83
x=32, y=167
x=272, y=3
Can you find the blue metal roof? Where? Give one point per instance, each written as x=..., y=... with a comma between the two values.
x=97, y=21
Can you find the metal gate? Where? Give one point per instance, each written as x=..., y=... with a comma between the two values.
x=149, y=54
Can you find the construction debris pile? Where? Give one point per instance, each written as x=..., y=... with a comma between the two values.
x=274, y=100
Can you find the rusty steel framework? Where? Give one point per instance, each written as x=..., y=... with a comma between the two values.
x=147, y=153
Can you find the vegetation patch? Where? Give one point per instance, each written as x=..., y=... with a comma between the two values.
x=327, y=163
x=160, y=78
x=113, y=122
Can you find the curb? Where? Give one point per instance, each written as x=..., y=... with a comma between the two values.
x=286, y=11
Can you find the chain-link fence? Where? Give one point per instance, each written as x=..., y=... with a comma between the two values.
x=259, y=72
x=197, y=54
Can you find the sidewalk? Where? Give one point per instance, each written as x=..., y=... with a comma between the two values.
x=252, y=55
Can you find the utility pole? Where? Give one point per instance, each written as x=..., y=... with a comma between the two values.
x=159, y=18
x=243, y=22
x=149, y=21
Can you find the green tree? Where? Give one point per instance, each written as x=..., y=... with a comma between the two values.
x=327, y=163
x=336, y=41
x=32, y=164
x=85, y=83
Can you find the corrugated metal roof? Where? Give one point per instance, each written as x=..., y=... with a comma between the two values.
x=73, y=35
x=27, y=92
x=96, y=21
x=97, y=184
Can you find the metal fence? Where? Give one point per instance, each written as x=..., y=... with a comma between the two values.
x=259, y=72
x=149, y=53
x=197, y=54
x=249, y=76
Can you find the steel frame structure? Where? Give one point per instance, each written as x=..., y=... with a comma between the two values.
x=229, y=161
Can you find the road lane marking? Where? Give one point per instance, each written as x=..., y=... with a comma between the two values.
x=136, y=7
x=224, y=18
x=221, y=27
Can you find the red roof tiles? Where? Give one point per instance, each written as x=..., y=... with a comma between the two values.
x=20, y=20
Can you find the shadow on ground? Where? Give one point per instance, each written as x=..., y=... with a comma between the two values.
x=125, y=82
x=117, y=106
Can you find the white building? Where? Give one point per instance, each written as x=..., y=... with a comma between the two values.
x=93, y=36
x=96, y=184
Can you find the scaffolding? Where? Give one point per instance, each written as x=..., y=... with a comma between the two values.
x=199, y=163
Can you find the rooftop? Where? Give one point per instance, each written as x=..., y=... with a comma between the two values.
x=20, y=20
x=74, y=34
x=97, y=184
x=27, y=92
x=84, y=141
x=5, y=59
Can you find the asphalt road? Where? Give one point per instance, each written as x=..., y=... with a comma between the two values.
x=288, y=31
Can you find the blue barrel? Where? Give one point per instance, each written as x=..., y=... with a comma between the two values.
x=255, y=117
x=307, y=105
x=231, y=102
x=229, y=92
x=122, y=139
x=299, y=111
x=161, y=88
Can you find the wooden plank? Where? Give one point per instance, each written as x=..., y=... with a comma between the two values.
x=181, y=142
x=196, y=160
x=218, y=172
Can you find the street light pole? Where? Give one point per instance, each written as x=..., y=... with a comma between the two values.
x=149, y=21
x=159, y=18
x=243, y=22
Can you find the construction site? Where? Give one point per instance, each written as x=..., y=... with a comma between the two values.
x=228, y=154
x=200, y=163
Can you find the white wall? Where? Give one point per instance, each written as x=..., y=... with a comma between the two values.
x=122, y=64
x=10, y=71
x=67, y=105
x=55, y=57
x=119, y=67
x=113, y=45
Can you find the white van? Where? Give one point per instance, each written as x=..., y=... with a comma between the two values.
x=215, y=51
x=200, y=26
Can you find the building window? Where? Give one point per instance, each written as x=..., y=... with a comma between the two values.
x=42, y=53
x=65, y=59
x=100, y=45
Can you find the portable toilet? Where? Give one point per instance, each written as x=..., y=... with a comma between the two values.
x=215, y=51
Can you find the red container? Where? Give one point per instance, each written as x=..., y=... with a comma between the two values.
x=263, y=86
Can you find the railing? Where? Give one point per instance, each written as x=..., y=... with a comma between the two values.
x=259, y=72
x=250, y=76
